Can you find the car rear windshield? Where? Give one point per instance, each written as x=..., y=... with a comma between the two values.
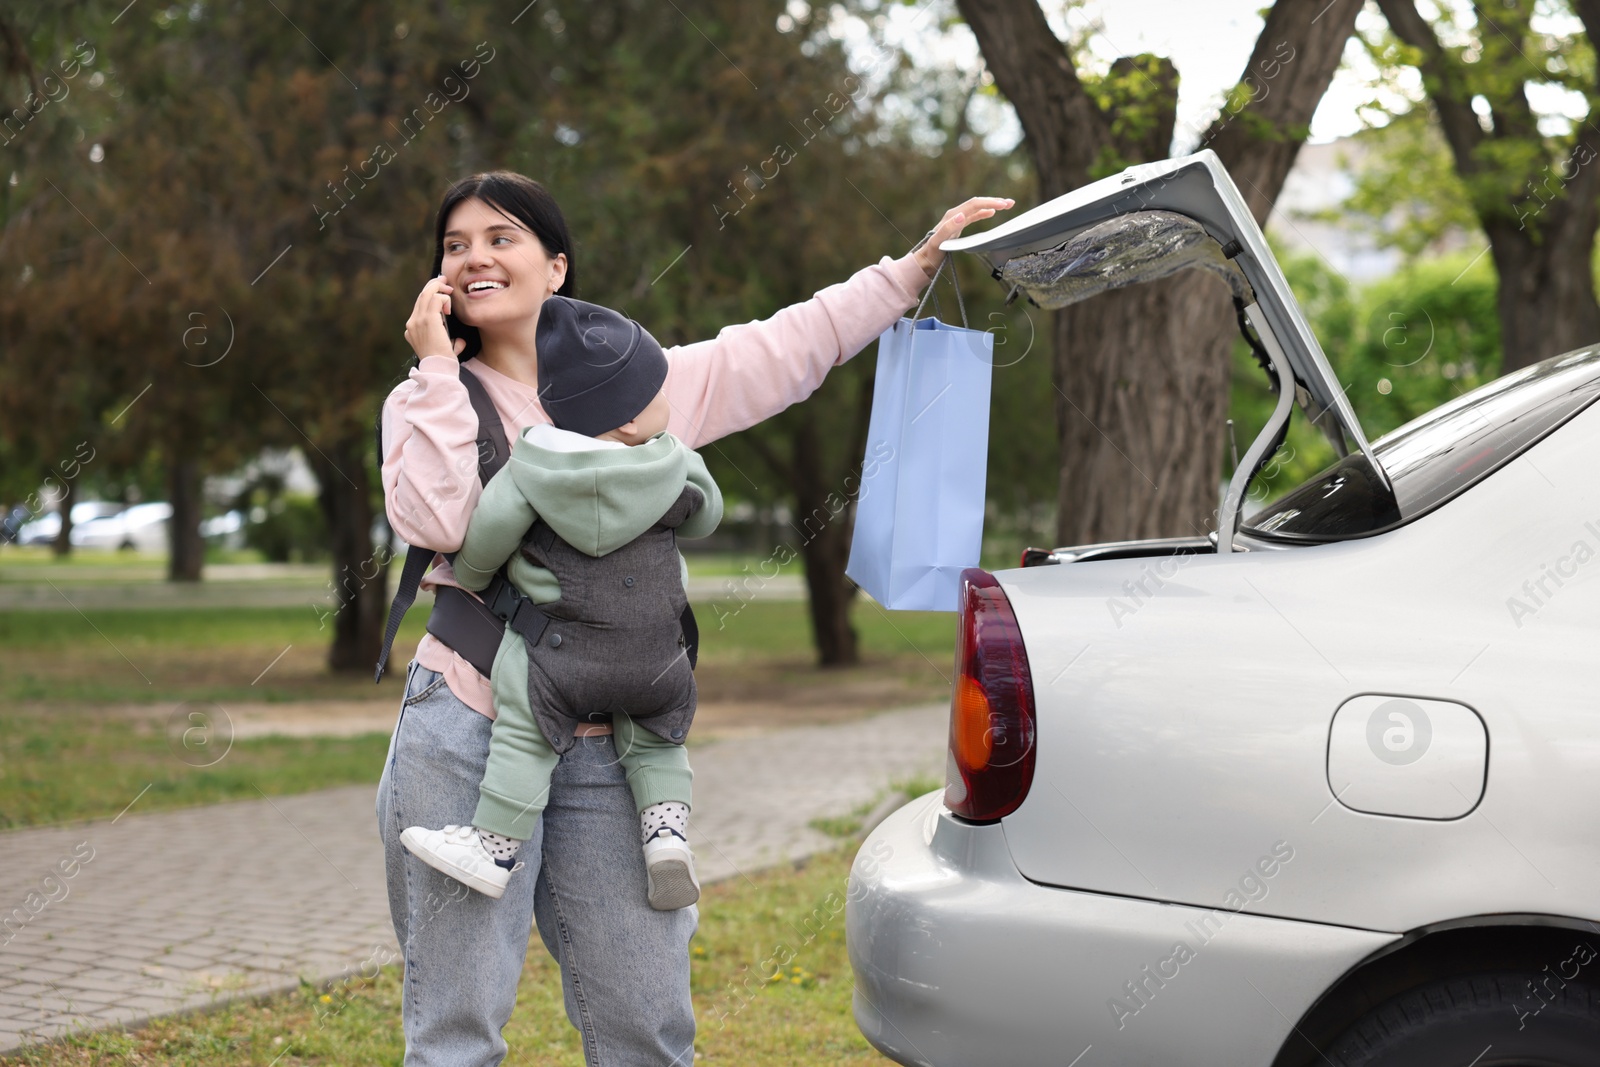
x=1434, y=457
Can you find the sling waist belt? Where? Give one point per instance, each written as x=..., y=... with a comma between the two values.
x=474, y=628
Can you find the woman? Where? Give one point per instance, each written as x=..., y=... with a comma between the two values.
x=502, y=248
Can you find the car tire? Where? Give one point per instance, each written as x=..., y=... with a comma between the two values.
x=1487, y=1020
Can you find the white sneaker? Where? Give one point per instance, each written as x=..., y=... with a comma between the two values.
x=670, y=867
x=458, y=852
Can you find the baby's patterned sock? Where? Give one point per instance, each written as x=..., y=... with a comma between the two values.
x=669, y=813
x=502, y=848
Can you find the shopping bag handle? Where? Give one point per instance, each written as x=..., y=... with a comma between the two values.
x=935, y=281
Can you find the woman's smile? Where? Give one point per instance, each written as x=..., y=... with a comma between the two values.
x=481, y=288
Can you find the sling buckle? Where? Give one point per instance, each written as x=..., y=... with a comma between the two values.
x=506, y=602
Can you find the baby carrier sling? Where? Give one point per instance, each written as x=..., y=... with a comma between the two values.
x=471, y=627
x=611, y=641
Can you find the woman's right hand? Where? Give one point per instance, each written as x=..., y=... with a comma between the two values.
x=425, y=329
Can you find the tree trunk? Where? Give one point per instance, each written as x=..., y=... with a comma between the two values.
x=1142, y=380
x=830, y=593
x=823, y=520
x=1543, y=236
x=61, y=547
x=1142, y=374
x=1545, y=294
x=360, y=573
x=183, y=530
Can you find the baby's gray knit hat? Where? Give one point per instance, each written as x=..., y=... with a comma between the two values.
x=598, y=368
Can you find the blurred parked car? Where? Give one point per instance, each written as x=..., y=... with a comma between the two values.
x=226, y=530
x=43, y=530
x=1320, y=789
x=142, y=527
x=12, y=524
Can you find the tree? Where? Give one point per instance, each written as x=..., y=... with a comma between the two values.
x=707, y=191
x=180, y=327
x=1141, y=374
x=306, y=178
x=1535, y=193
x=230, y=144
x=402, y=105
x=60, y=397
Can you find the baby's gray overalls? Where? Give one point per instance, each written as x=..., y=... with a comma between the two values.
x=612, y=646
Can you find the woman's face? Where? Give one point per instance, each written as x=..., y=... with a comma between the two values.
x=499, y=269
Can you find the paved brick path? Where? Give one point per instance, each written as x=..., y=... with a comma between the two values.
x=108, y=923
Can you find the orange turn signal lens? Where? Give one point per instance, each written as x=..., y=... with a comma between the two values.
x=969, y=726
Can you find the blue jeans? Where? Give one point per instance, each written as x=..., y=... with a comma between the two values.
x=624, y=966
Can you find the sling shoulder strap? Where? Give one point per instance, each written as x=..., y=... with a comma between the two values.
x=493, y=448
x=493, y=451
x=504, y=603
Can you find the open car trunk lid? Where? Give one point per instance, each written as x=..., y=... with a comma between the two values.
x=1151, y=221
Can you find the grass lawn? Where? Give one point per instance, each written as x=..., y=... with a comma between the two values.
x=747, y=1015
x=24, y=563
x=61, y=768
x=164, y=655
x=91, y=703
x=233, y=654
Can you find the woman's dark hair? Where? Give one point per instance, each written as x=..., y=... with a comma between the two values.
x=522, y=199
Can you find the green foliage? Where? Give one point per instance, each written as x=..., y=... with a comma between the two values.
x=294, y=530
x=1403, y=345
x=1498, y=59
x=1137, y=95
x=1407, y=193
x=1431, y=332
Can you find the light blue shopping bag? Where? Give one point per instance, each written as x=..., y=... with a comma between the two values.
x=919, y=514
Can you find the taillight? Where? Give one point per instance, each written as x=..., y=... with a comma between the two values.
x=991, y=706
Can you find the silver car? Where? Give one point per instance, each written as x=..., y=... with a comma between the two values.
x=47, y=527
x=1321, y=788
x=142, y=527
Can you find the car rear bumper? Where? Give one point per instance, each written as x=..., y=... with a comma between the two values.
x=960, y=960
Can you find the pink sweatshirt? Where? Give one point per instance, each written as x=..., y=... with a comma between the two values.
x=746, y=374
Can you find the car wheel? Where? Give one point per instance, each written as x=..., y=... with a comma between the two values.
x=127, y=545
x=1507, y=1019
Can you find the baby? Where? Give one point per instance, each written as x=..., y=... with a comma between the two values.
x=585, y=518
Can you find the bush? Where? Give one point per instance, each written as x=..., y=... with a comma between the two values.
x=1402, y=345
x=291, y=530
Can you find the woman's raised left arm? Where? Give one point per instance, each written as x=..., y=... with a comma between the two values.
x=754, y=370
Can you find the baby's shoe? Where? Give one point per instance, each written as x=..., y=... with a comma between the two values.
x=670, y=867
x=459, y=852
